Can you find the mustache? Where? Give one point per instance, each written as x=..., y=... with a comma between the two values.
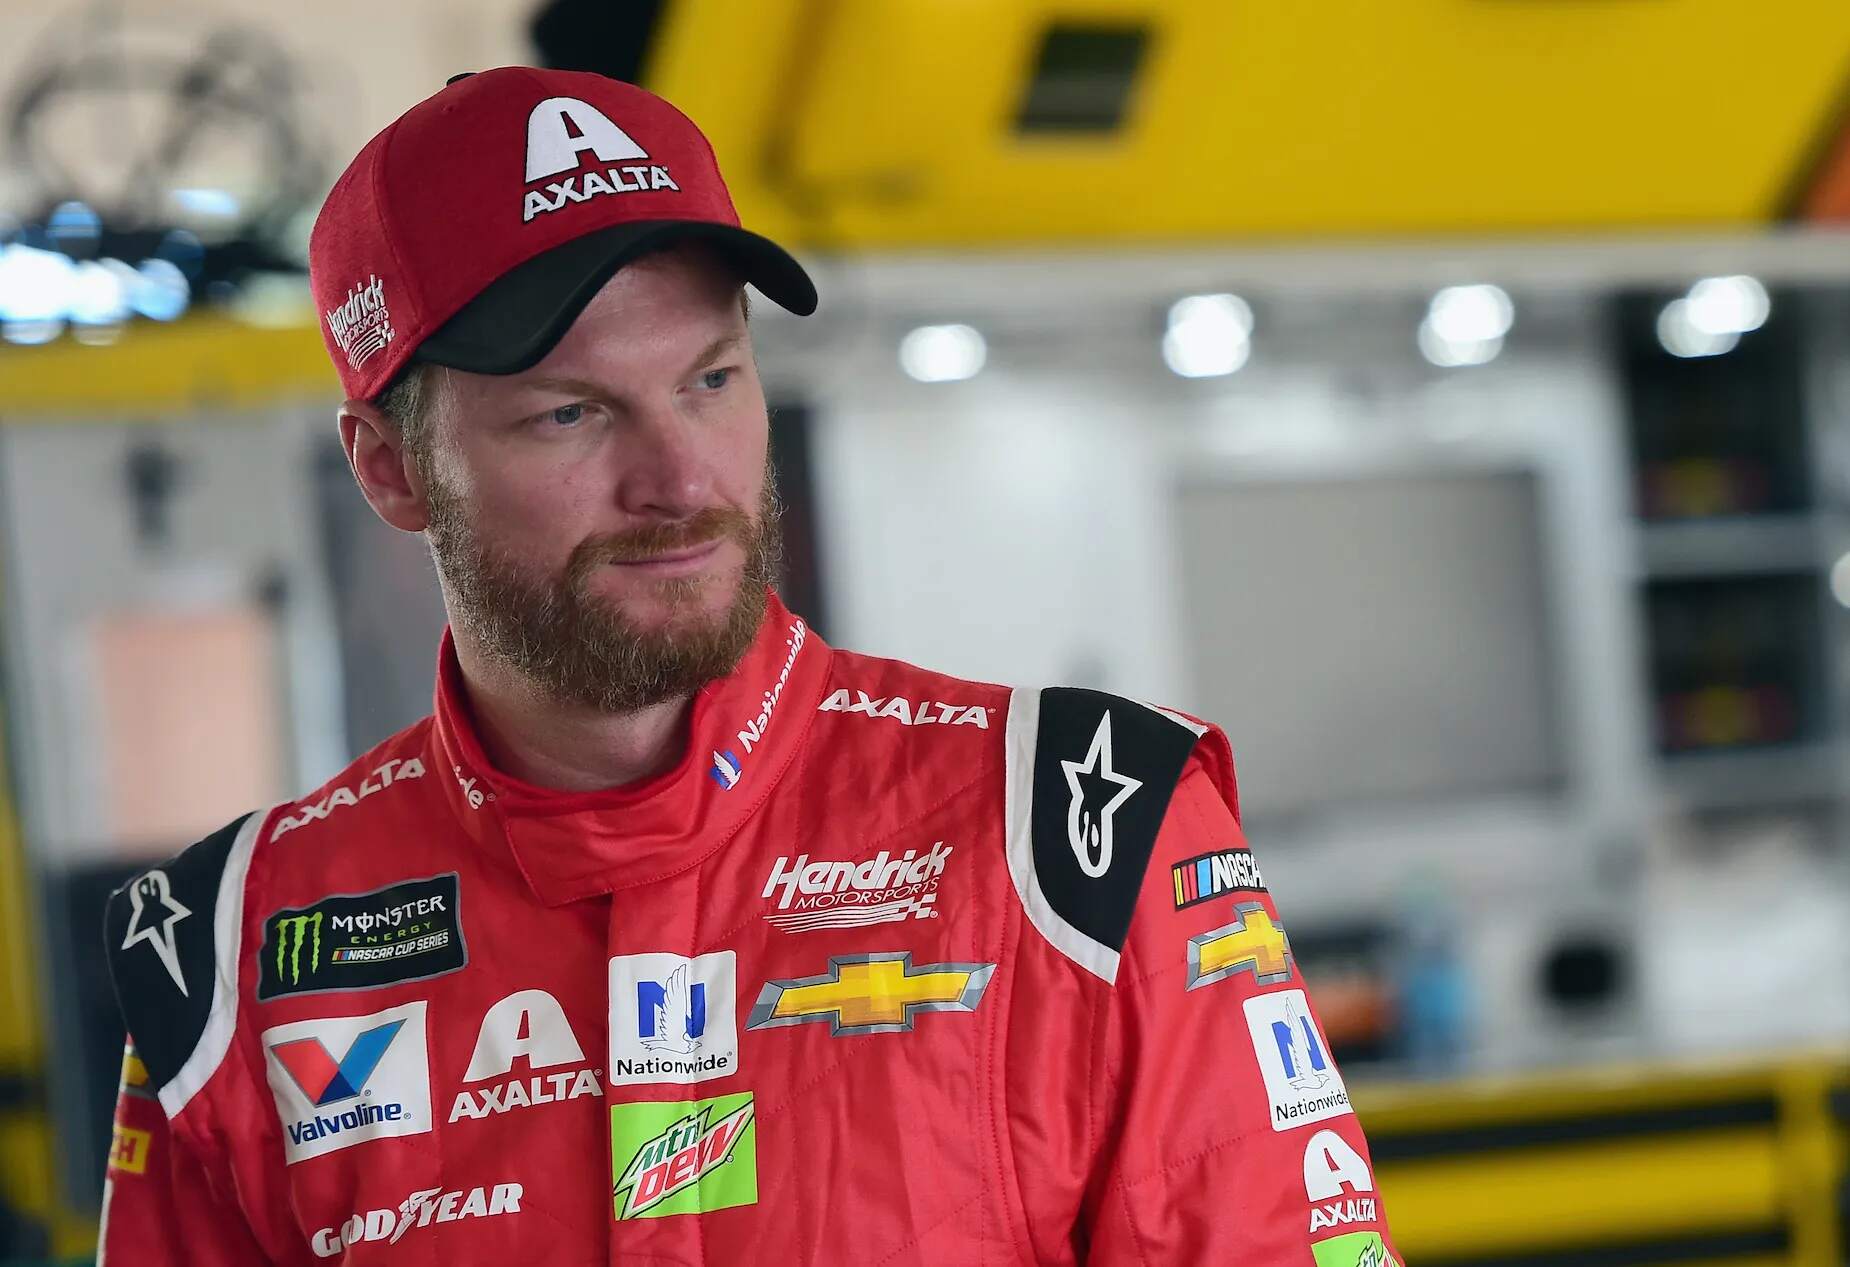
x=703, y=527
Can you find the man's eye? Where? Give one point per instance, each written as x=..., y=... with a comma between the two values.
x=567, y=415
x=713, y=380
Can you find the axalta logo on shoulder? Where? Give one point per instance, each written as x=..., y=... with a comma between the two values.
x=378, y=781
x=906, y=712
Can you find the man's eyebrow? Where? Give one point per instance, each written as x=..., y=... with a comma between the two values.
x=582, y=387
x=721, y=344
x=569, y=386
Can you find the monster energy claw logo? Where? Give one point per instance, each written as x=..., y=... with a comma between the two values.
x=291, y=932
x=409, y=931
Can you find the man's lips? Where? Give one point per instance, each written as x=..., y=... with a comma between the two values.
x=674, y=562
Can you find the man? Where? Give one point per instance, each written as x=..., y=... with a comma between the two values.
x=676, y=936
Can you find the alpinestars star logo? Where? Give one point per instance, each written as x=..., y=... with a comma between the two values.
x=1088, y=831
x=154, y=912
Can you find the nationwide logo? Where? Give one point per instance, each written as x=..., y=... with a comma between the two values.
x=683, y=1158
x=420, y=1209
x=1301, y=1080
x=726, y=771
x=554, y=147
x=345, y=1080
x=380, y=779
x=672, y=1018
x=753, y=733
x=1209, y=875
x=360, y=324
x=529, y=1026
x=409, y=931
x=881, y=890
x=906, y=712
x=1252, y=943
x=871, y=994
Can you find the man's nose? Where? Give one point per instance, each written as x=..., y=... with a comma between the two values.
x=666, y=468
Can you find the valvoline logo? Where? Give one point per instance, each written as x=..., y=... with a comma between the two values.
x=325, y=1080
x=343, y=1080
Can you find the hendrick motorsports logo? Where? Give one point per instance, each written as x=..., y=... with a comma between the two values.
x=406, y=932
x=684, y=1157
x=880, y=890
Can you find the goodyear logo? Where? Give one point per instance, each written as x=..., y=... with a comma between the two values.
x=1252, y=943
x=871, y=994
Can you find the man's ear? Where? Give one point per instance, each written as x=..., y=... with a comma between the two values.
x=384, y=471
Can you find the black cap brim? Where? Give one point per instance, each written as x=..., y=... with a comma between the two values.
x=515, y=322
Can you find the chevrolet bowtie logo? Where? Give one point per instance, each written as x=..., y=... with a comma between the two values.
x=871, y=994
x=1252, y=943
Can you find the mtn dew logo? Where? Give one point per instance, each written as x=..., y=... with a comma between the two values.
x=291, y=932
x=683, y=1157
x=1356, y=1249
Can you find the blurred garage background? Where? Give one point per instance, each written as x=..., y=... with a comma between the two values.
x=1450, y=398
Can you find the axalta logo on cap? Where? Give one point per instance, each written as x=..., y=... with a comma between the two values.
x=360, y=324
x=559, y=131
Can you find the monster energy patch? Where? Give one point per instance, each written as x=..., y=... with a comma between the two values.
x=362, y=941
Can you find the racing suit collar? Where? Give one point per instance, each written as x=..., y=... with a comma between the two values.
x=745, y=730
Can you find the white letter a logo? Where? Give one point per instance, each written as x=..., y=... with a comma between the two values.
x=552, y=149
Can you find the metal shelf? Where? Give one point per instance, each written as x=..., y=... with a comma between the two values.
x=1738, y=545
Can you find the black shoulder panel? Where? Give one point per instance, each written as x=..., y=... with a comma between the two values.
x=158, y=933
x=1104, y=770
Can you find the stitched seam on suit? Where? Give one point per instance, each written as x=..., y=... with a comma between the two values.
x=919, y=1238
x=1226, y=1141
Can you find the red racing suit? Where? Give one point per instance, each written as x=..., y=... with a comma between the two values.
x=892, y=969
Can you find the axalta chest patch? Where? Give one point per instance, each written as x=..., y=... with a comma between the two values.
x=362, y=941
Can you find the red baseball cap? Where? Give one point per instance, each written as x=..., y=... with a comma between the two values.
x=475, y=228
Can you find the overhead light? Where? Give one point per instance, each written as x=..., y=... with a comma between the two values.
x=1208, y=335
x=206, y=204
x=74, y=228
x=1728, y=305
x=160, y=290
x=1840, y=580
x=1471, y=314
x=35, y=285
x=1466, y=325
x=1678, y=332
x=98, y=296
x=942, y=354
x=1447, y=354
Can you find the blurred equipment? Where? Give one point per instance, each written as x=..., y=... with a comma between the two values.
x=1740, y=1166
x=595, y=35
x=157, y=162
